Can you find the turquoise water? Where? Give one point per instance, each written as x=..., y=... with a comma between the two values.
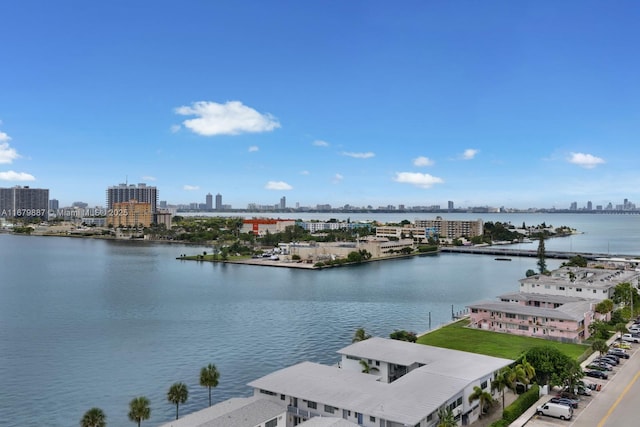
x=88, y=323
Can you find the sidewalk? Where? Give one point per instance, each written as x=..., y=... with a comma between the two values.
x=496, y=410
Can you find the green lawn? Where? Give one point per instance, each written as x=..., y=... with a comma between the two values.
x=457, y=337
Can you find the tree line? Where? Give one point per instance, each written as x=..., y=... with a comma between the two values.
x=140, y=409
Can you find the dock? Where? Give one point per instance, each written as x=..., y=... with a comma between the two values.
x=512, y=252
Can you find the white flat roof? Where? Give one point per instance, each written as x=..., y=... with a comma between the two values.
x=407, y=400
x=235, y=412
x=454, y=363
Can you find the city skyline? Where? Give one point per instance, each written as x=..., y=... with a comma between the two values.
x=360, y=103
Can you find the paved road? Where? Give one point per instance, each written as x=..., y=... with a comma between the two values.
x=617, y=405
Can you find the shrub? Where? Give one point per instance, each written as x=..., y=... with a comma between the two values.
x=521, y=404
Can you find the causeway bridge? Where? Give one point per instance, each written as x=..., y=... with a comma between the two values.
x=512, y=252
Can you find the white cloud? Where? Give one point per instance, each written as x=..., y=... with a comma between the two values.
x=190, y=188
x=4, y=137
x=366, y=155
x=423, y=161
x=254, y=148
x=320, y=143
x=148, y=178
x=469, y=153
x=586, y=161
x=16, y=176
x=423, y=180
x=175, y=128
x=337, y=179
x=231, y=118
x=278, y=185
x=7, y=154
x=305, y=173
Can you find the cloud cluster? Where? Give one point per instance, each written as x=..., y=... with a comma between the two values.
x=16, y=176
x=366, y=155
x=190, y=187
x=254, y=148
x=337, y=178
x=469, y=153
x=587, y=161
x=423, y=180
x=7, y=154
x=230, y=118
x=278, y=185
x=320, y=143
x=423, y=161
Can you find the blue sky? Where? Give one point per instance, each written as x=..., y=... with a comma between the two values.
x=497, y=103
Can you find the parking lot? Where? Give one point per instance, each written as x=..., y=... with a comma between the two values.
x=619, y=372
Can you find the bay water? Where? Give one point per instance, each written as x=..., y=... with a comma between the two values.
x=87, y=322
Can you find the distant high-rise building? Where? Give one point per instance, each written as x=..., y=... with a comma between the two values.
x=24, y=202
x=589, y=206
x=163, y=204
x=209, y=201
x=54, y=205
x=450, y=205
x=283, y=202
x=142, y=193
x=574, y=206
x=218, y=202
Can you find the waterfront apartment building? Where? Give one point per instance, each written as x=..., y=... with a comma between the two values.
x=142, y=193
x=406, y=385
x=560, y=306
x=130, y=214
x=441, y=228
x=218, y=202
x=209, y=202
x=24, y=202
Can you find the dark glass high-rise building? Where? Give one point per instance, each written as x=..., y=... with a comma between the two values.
x=123, y=193
x=209, y=202
x=218, y=202
x=24, y=202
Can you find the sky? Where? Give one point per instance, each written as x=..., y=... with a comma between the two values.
x=492, y=103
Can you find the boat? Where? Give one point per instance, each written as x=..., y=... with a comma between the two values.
x=502, y=259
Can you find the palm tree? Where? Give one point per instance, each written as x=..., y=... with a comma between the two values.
x=504, y=379
x=209, y=377
x=600, y=346
x=360, y=335
x=365, y=366
x=446, y=418
x=529, y=370
x=94, y=417
x=139, y=409
x=483, y=396
x=178, y=394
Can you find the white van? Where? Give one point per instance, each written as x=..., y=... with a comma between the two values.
x=555, y=410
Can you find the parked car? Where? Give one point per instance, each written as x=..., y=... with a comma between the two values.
x=612, y=360
x=621, y=344
x=564, y=401
x=619, y=352
x=629, y=338
x=557, y=410
x=583, y=391
x=600, y=366
x=596, y=374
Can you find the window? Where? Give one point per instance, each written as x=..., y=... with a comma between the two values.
x=561, y=288
x=352, y=357
x=578, y=289
x=312, y=405
x=271, y=423
x=510, y=315
x=328, y=409
x=474, y=310
x=377, y=363
x=430, y=417
x=270, y=393
x=372, y=419
x=459, y=401
x=282, y=397
x=483, y=385
x=523, y=327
